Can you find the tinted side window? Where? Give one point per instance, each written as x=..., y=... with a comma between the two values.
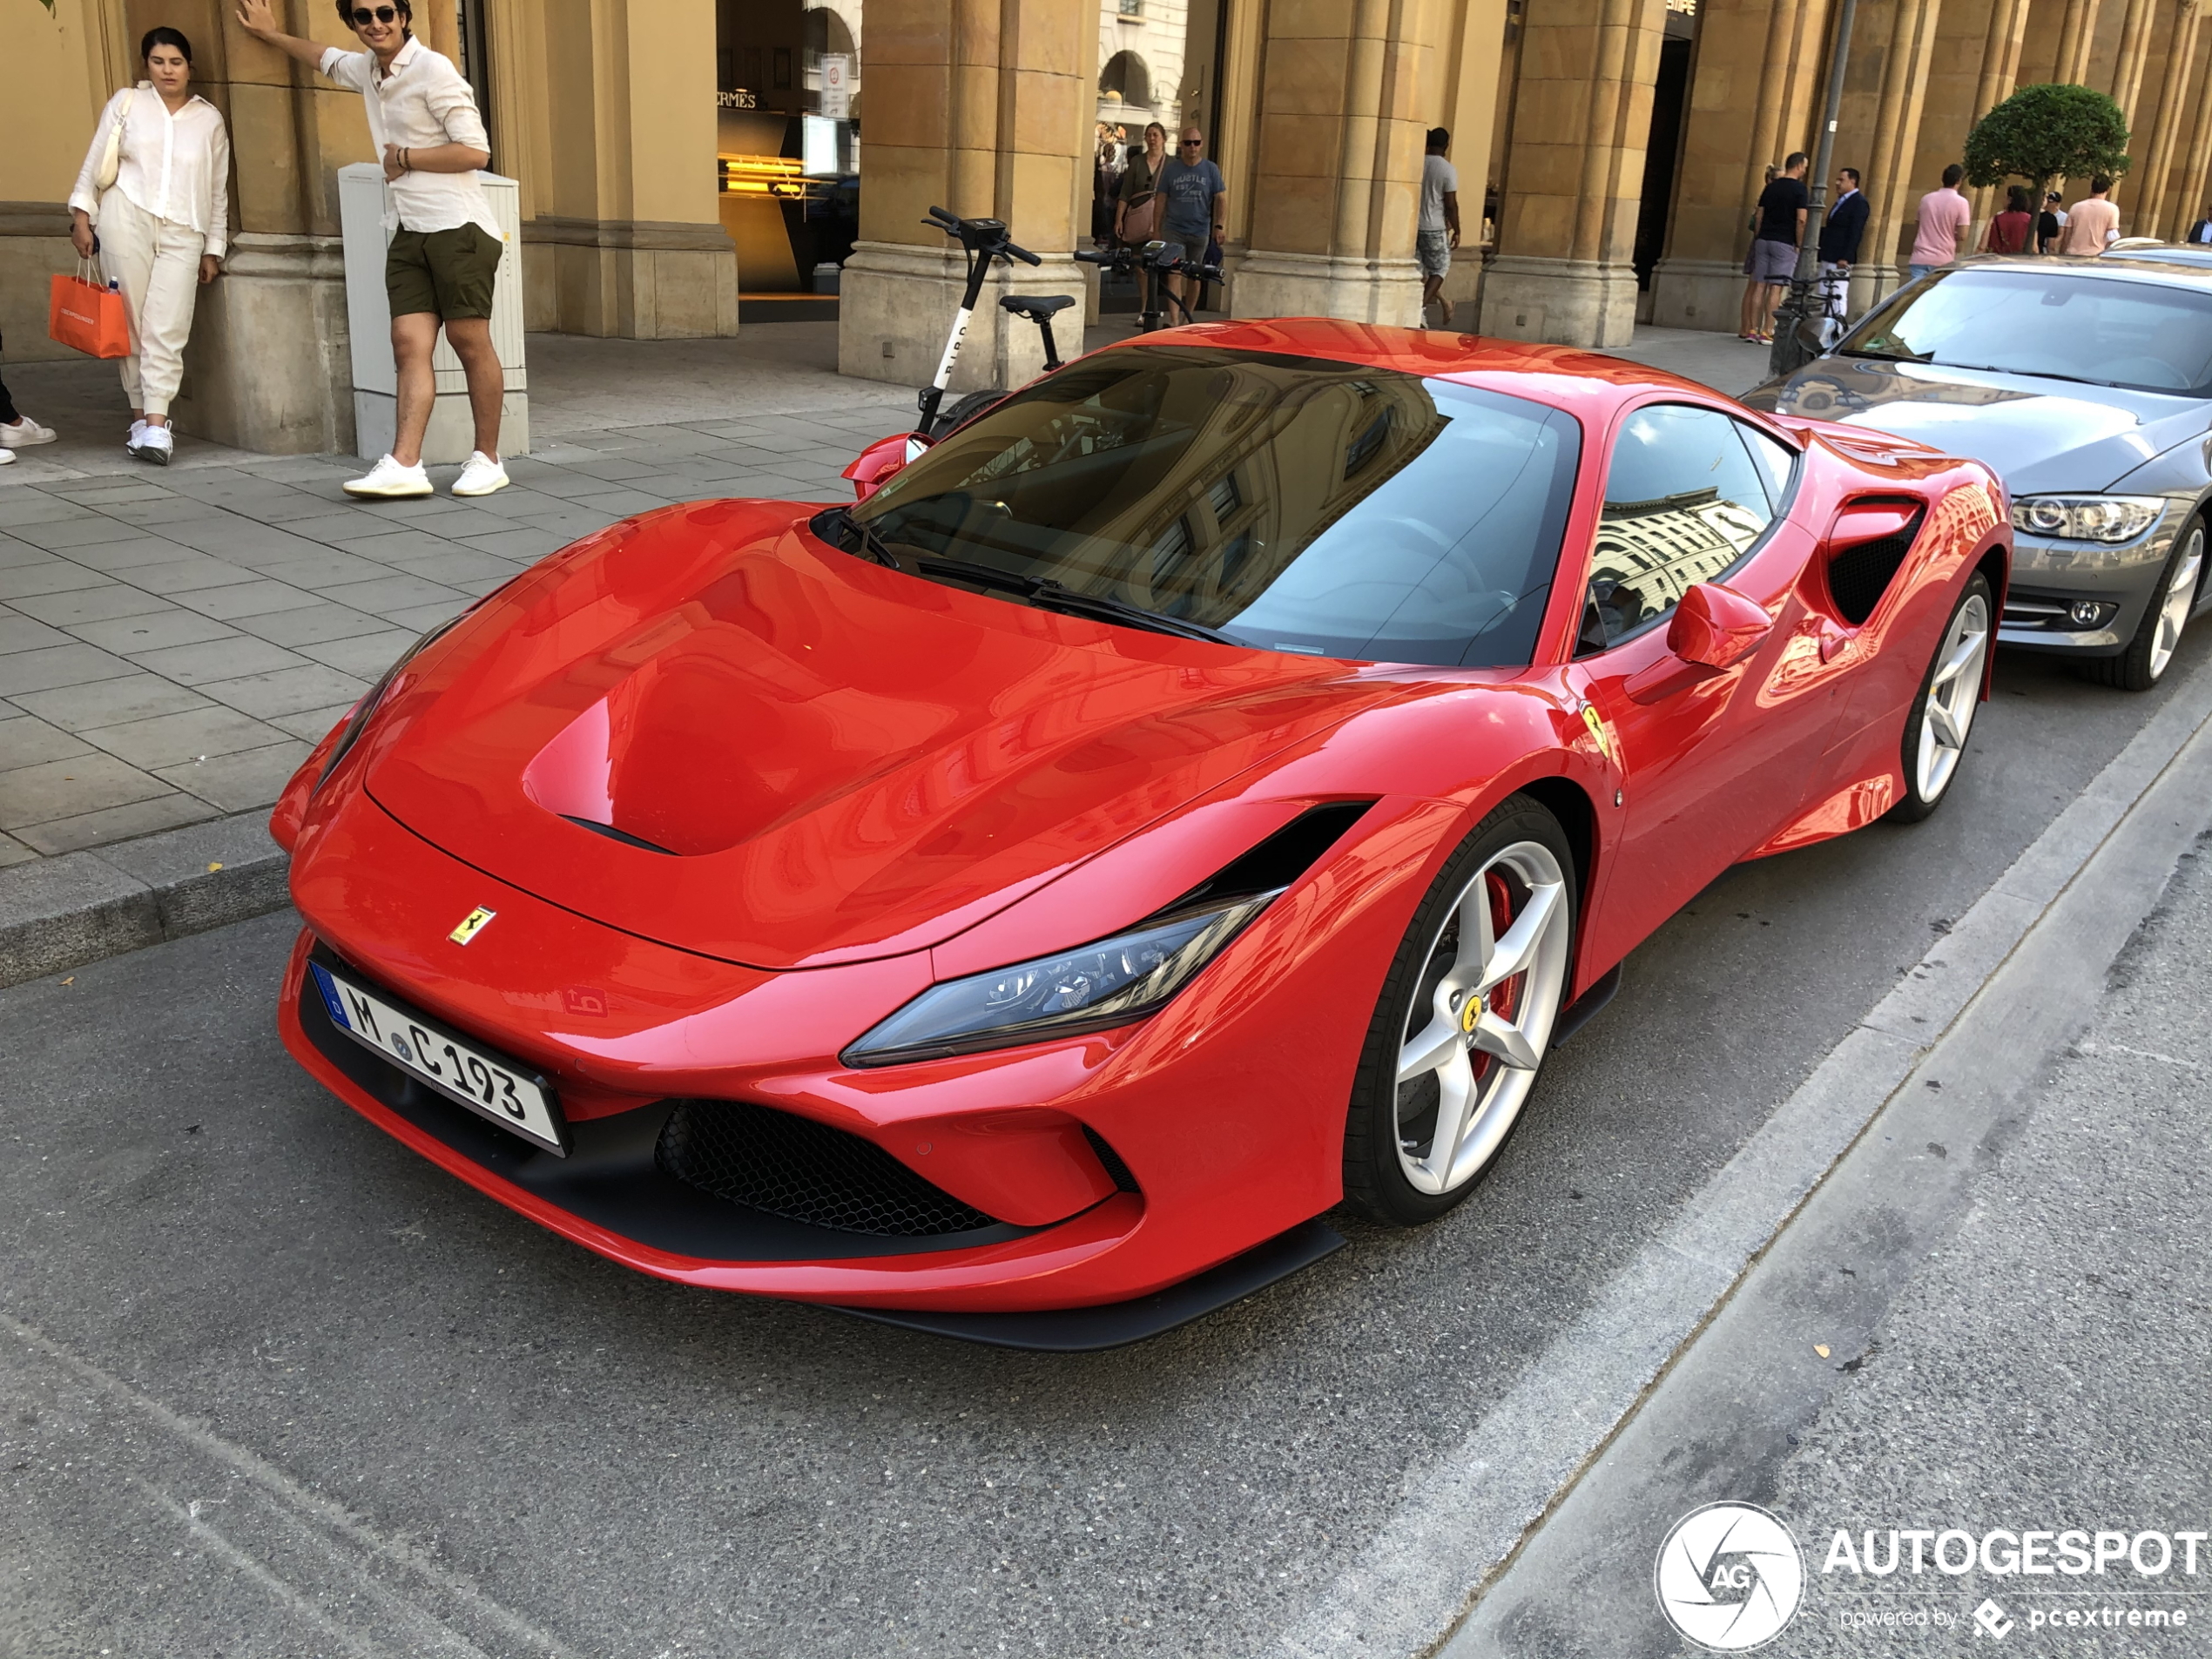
x=1776, y=463
x=1683, y=501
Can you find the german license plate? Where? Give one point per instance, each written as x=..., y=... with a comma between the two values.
x=458, y=1068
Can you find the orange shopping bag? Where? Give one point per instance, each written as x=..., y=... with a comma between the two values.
x=91, y=318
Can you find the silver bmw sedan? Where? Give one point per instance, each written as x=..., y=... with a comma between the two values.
x=2086, y=384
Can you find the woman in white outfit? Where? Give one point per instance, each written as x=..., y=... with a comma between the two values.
x=163, y=224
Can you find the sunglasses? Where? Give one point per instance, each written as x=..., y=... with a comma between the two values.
x=1192, y=144
x=363, y=16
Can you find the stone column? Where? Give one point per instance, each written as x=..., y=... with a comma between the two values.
x=981, y=107
x=2191, y=189
x=2077, y=39
x=2127, y=63
x=269, y=366
x=1337, y=172
x=1472, y=85
x=1975, y=68
x=615, y=99
x=1752, y=100
x=1582, y=114
x=1889, y=183
x=2148, y=200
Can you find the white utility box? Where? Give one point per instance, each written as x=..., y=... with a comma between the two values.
x=369, y=316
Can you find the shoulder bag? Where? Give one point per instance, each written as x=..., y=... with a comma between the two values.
x=111, y=159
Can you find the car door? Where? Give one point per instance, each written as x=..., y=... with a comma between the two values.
x=1713, y=764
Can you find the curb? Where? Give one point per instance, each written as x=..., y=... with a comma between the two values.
x=61, y=913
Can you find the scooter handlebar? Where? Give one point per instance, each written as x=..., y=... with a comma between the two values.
x=1021, y=253
x=944, y=219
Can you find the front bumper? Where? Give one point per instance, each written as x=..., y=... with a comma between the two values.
x=2048, y=576
x=1227, y=1144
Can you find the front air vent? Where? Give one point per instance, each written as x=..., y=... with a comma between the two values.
x=1860, y=575
x=803, y=1170
x=614, y=834
x=1279, y=860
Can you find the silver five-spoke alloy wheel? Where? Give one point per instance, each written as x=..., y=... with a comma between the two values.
x=1481, y=1016
x=2178, y=600
x=1954, y=693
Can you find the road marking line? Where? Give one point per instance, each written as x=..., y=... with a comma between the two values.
x=301, y=1505
x=1461, y=1517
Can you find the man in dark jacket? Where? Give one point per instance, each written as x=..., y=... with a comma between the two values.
x=1840, y=234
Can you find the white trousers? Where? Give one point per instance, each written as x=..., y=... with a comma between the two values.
x=157, y=263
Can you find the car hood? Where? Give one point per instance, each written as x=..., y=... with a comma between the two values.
x=804, y=757
x=2038, y=435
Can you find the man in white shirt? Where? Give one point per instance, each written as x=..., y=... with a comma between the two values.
x=446, y=246
x=1438, y=230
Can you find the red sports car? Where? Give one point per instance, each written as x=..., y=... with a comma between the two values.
x=1193, y=795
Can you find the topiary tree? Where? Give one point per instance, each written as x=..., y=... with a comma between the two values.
x=2046, y=132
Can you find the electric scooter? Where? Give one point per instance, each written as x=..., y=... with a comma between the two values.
x=983, y=241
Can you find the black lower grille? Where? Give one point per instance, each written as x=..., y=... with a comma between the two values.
x=804, y=1170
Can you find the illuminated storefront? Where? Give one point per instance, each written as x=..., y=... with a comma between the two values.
x=787, y=117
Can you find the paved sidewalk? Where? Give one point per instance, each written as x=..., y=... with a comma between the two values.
x=172, y=642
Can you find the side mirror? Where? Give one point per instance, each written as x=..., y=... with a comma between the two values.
x=873, y=466
x=1717, y=627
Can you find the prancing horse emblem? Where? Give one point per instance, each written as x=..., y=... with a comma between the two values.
x=471, y=925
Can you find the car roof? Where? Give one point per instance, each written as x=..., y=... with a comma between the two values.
x=2120, y=267
x=1568, y=377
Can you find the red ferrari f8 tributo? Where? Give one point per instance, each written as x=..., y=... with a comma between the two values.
x=1194, y=794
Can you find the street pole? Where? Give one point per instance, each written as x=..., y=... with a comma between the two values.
x=1788, y=353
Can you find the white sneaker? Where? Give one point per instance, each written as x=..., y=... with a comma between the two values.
x=130, y=438
x=22, y=432
x=390, y=481
x=480, y=476
x=153, y=443
x=7, y=457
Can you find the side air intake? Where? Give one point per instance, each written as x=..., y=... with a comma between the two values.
x=1861, y=573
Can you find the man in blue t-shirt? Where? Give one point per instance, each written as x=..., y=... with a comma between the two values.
x=1197, y=205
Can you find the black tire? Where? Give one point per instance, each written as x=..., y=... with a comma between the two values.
x=1917, y=802
x=1375, y=1182
x=964, y=410
x=2136, y=668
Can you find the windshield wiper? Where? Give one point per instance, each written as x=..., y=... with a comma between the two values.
x=2033, y=374
x=1047, y=595
x=1882, y=356
x=872, y=545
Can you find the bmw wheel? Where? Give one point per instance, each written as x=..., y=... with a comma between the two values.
x=1464, y=1019
x=1943, y=714
x=2140, y=666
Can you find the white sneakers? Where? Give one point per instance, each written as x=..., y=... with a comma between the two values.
x=21, y=432
x=388, y=481
x=7, y=457
x=151, y=443
x=480, y=476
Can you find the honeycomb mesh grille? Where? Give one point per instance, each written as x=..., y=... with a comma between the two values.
x=1859, y=576
x=806, y=1171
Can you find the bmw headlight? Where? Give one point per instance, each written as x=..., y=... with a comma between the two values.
x=1111, y=983
x=2087, y=518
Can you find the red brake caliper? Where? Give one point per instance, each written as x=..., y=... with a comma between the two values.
x=1504, y=998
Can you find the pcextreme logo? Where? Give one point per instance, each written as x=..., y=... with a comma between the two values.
x=1729, y=1577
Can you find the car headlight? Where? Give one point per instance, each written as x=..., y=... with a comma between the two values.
x=365, y=711
x=2087, y=518
x=1111, y=983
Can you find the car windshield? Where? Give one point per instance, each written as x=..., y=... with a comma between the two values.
x=1290, y=503
x=2108, y=330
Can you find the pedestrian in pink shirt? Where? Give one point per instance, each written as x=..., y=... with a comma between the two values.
x=1944, y=216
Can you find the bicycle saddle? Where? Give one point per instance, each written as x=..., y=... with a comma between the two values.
x=1035, y=306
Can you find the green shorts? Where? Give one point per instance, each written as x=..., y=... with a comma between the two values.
x=448, y=273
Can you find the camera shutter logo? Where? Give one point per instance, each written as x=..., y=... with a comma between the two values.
x=1730, y=1577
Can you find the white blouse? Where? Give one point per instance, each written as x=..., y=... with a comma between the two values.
x=176, y=167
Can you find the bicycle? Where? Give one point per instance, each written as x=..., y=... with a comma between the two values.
x=1161, y=257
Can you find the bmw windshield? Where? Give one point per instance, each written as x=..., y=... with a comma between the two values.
x=1286, y=503
x=2036, y=320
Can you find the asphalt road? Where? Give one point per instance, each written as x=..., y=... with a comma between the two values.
x=270, y=1385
